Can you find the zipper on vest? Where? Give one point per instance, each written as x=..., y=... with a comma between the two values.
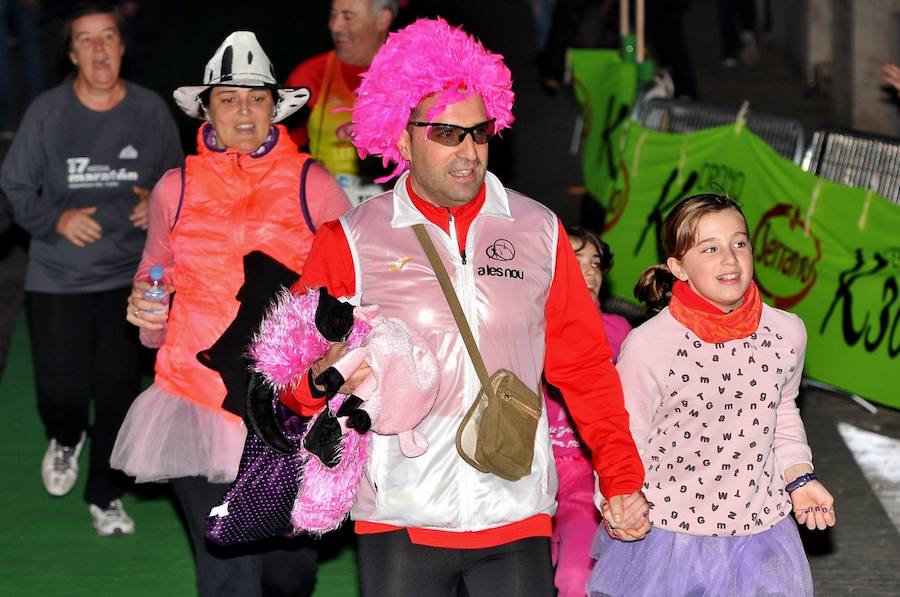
x=453, y=237
x=462, y=477
x=235, y=159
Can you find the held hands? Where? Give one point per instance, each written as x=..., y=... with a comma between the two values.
x=78, y=227
x=140, y=216
x=627, y=516
x=142, y=312
x=334, y=353
x=813, y=506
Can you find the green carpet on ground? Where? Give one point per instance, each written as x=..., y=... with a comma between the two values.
x=47, y=544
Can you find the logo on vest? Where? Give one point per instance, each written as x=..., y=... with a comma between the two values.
x=501, y=272
x=501, y=250
x=128, y=153
x=399, y=264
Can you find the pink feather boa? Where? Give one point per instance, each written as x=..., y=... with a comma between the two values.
x=428, y=57
x=288, y=343
x=327, y=494
x=283, y=350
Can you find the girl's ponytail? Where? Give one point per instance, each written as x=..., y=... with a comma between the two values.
x=654, y=287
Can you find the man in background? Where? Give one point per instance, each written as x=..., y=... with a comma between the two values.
x=358, y=29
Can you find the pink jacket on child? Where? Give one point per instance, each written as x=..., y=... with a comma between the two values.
x=566, y=444
x=576, y=517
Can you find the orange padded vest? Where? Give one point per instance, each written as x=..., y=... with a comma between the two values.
x=232, y=204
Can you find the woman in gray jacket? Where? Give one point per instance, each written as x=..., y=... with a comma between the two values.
x=77, y=175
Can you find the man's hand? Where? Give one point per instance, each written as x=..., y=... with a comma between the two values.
x=140, y=216
x=628, y=516
x=334, y=353
x=78, y=227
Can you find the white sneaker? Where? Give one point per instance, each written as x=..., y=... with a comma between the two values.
x=59, y=469
x=112, y=520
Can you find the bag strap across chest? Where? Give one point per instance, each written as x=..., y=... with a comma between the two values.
x=453, y=301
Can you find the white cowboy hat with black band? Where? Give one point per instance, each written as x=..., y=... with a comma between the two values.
x=241, y=62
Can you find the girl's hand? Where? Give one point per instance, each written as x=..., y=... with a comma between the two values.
x=627, y=516
x=813, y=506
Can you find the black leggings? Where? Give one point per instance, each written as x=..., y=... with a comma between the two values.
x=390, y=564
x=277, y=567
x=84, y=351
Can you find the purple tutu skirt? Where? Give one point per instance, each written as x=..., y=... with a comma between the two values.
x=677, y=564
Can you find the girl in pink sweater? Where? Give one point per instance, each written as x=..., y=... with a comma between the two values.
x=710, y=385
x=576, y=516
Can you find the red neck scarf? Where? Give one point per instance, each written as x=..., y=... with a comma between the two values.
x=708, y=322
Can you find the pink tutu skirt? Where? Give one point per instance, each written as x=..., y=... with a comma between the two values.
x=166, y=437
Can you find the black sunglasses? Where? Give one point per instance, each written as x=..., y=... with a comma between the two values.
x=452, y=135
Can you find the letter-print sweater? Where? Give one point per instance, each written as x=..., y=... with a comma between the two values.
x=716, y=424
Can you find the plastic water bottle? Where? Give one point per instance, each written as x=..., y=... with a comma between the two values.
x=158, y=294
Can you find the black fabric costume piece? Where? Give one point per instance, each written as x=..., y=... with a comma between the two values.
x=263, y=278
x=334, y=319
x=314, y=391
x=352, y=403
x=330, y=379
x=324, y=438
x=261, y=418
x=357, y=418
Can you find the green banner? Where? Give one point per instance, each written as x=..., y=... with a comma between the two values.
x=827, y=252
x=605, y=88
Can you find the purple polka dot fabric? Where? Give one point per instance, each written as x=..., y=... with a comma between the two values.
x=258, y=503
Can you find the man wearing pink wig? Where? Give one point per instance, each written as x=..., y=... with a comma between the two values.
x=433, y=525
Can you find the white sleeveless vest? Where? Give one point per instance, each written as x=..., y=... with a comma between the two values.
x=503, y=284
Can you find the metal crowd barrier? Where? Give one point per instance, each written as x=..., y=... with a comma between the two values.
x=857, y=160
x=785, y=135
x=633, y=312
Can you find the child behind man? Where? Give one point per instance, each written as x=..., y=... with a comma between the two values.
x=576, y=516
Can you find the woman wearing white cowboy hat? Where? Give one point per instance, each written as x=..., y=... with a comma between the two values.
x=247, y=189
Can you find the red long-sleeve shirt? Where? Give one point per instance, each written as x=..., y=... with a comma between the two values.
x=310, y=74
x=577, y=362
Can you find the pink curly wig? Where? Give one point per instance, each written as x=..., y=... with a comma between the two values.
x=426, y=58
